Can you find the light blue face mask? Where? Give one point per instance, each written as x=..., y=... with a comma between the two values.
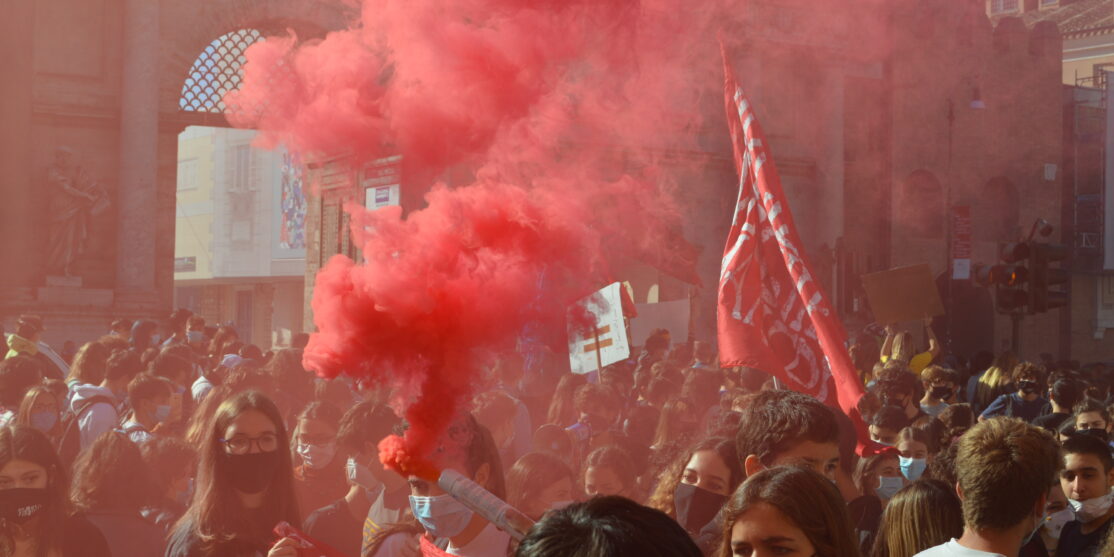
x=162, y=412
x=912, y=468
x=888, y=487
x=44, y=421
x=442, y=516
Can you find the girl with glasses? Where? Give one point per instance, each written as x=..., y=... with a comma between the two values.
x=245, y=484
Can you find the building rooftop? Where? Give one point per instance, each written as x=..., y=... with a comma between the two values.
x=1074, y=18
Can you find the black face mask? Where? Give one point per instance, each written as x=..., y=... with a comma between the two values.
x=21, y=504
x=252, y=472
x=1028, y=387
x=941, y=392
x=696, y=507
x=1097, y=433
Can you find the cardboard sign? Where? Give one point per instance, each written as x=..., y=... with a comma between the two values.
x=903, y=294
x=671, y=316
x=607, y=343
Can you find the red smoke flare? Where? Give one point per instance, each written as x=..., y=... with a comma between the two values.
x=560, y=108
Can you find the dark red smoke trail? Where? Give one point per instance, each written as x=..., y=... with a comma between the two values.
x=559, y=107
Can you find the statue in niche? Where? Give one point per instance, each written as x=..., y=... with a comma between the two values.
x=75, y=197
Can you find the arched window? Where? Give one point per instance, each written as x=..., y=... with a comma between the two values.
x=217, y=71
x=919, y=211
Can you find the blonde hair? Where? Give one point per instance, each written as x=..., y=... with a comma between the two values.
x=902, y=348
x=996, y=380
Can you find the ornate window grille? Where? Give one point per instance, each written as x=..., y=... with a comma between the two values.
x=217, y=71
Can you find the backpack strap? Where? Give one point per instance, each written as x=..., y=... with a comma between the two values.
x=91, y=402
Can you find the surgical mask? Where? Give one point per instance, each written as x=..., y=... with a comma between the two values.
x=1054, y=523
x=1092, y=508
x=912, y=468
x=162, y=412
x=360, y=475
x=441, y=516
x=883, y=443
x=888, y=487
x=696, y=507
x=20, y=504
x=44, y=421
x=155, y=338
x=317, y=456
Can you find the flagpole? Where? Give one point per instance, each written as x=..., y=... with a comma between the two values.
x=599, y=349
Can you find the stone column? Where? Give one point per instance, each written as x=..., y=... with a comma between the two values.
x=17, y=225
x=139, y=120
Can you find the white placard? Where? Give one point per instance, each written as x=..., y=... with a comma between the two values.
x=381, y=196
x=607, y=343
x=961, y=269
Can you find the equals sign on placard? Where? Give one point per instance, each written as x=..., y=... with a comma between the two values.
x=602, y=342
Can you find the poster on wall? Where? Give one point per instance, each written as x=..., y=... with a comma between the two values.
x=292, y=204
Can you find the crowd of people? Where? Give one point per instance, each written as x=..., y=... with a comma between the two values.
x=179, y=439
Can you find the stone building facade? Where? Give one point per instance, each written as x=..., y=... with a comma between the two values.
x=105, y=80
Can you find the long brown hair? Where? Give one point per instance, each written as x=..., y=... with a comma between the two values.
x=89, y=364
x=925, y=514
x=216, y=514
x=806, y=498
x=24, y=443
x=670, y=425
x=561, y=412
x=662, y=498
x=111, y=476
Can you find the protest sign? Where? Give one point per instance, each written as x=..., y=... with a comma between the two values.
x=903, y=294
x=606, y=341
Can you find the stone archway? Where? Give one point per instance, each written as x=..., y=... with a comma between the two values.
x=109, y=93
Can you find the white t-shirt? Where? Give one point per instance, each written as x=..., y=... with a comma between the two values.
x=491, y=542
x=953, y=549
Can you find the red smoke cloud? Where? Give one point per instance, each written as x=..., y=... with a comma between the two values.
x=559, y=107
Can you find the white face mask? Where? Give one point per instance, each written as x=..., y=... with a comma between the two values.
x=317, y=456
x=1054, y=523
x=1092, y=508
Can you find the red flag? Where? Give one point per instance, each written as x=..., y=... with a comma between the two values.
x=772, y=313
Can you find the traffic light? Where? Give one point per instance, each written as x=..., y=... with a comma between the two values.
x=1046, y=278
x=1008, y=278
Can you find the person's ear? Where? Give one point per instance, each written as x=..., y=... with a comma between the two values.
x=1110, y=477
x=752, y=466
x=958, y=491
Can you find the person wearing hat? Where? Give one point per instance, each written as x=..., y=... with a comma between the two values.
x=25, y=340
